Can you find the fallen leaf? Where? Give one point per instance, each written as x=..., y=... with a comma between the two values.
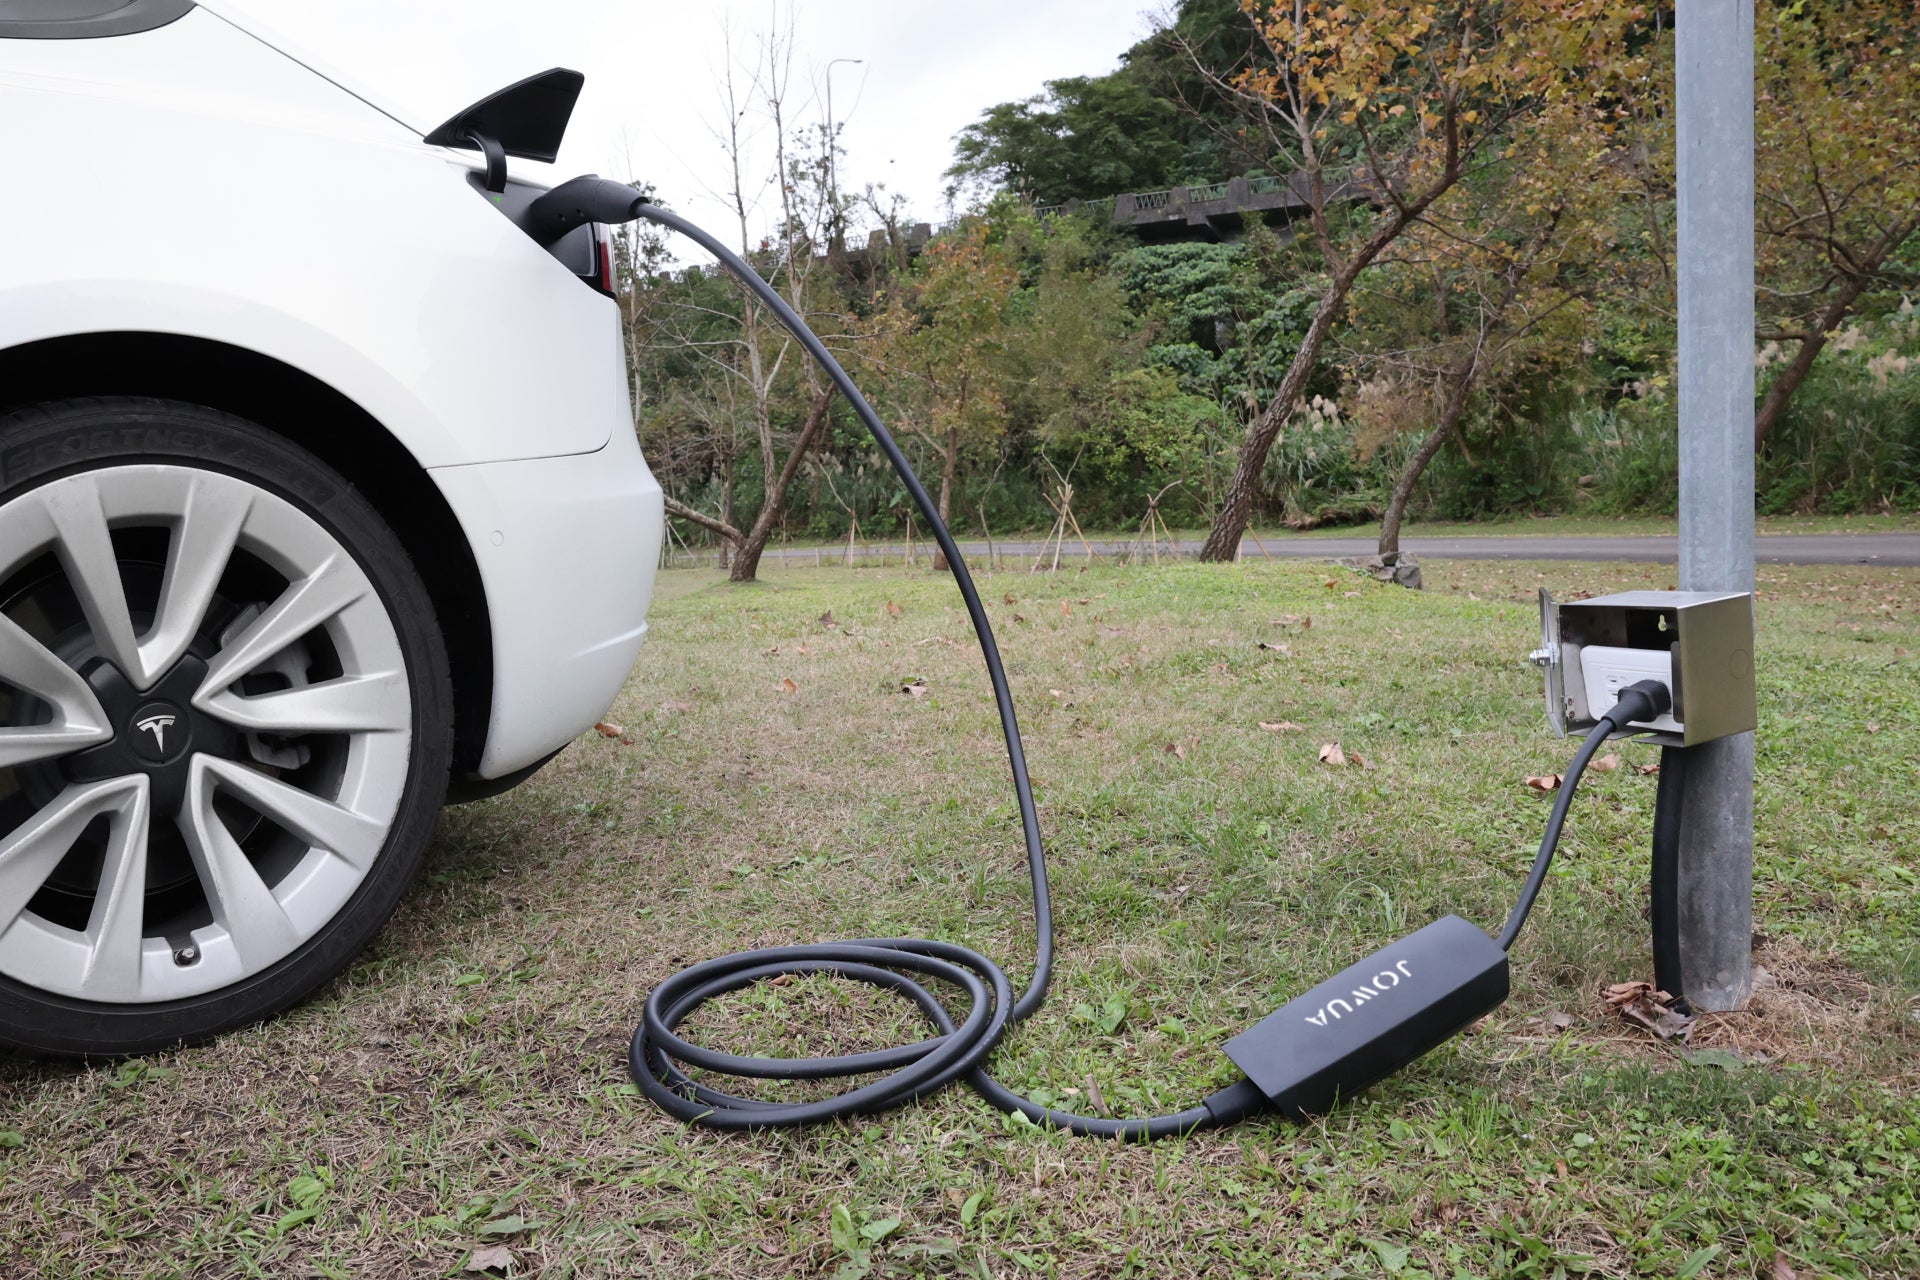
x=1094, y=1097
x=1008, y=597
x=1646, y=770
x=788, y=686
x=894, y=609
x=1306, y=623
x=1351, y=595
x=1782, y=1269
x=1605, y=764
x=1281, y=726
x=1330, y=584
x=1066, y=610
x=1561, y=1021
x=826, y=619
x=768, y=653
x=1655, y=1020
x=1332, y=754
x=914, y=688
x=803, y=648
x=676, y=708
x=1018, y=618
x=606, y=730
x=1872, y=727
x=1642, y=1003
x=494, y=1258
x=1106, y=630
x=1178, y=750
x=1545, y=782
x=1356, y=758
x=1055, y=693
x=1276, y=648
x=1621, y=993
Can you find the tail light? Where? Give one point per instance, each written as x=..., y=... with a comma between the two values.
x=603, y=260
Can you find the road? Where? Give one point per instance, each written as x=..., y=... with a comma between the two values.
x=1889, y=549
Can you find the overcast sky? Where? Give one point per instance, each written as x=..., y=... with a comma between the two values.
x=928, y=71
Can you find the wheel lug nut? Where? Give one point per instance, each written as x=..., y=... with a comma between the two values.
x=186, y=955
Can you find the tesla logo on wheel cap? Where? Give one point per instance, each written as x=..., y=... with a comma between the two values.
x=158, y=732
x=157, y=726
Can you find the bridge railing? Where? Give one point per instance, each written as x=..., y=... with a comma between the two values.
x=1241, y=194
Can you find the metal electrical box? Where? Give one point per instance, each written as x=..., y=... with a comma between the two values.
x=1699, y=643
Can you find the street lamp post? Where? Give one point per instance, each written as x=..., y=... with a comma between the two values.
x=836, y=235
x=1715, y=116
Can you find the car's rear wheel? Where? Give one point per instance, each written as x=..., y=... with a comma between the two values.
x=224, y=725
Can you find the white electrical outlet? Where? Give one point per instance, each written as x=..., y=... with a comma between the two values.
x=1608, y=670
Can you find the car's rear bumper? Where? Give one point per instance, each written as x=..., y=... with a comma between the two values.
x=567, y=549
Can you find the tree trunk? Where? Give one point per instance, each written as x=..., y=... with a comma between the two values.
x=746, y=561
x=1774, y=407
x=1450, y=415
x=1236, y=506
x=729, y=465
x=947, y=473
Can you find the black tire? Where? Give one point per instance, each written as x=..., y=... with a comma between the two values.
x=48, y=442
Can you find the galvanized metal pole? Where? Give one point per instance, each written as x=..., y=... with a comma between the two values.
x=1714, y=69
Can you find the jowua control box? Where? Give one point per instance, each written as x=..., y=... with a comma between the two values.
x=1698, y=643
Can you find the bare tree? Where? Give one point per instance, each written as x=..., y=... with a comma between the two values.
x=755, y=367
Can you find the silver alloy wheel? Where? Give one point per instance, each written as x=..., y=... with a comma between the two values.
x=192, y=670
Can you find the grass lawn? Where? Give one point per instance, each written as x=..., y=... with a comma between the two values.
x=463, y=1087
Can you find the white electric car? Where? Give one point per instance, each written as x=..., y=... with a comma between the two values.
x=319, y=502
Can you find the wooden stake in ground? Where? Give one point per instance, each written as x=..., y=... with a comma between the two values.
x=993, y=561
x=853, y=517
x=1053, y=538
x=1061, y=500
x=1152, y=527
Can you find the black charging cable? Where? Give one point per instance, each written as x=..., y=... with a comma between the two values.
x=960, y=1051
x=1639, y=703
x=900, y=965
